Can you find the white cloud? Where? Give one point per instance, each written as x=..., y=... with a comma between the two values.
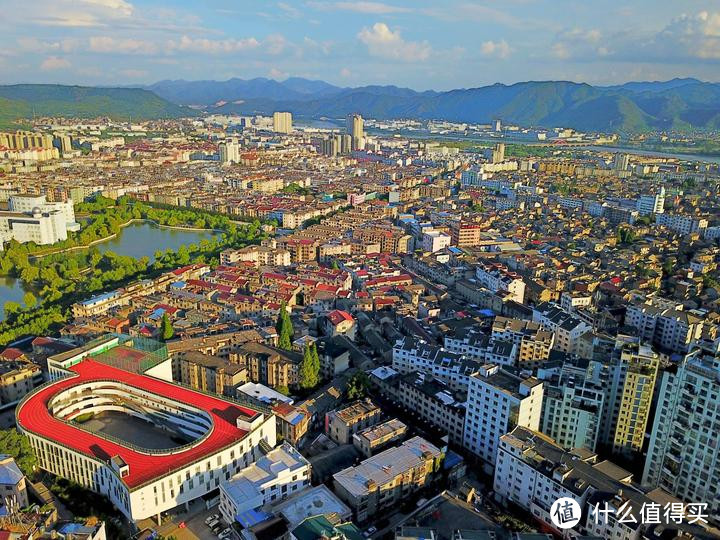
x=277, y=74
x=369, y=8
x=105, y=44
x=54, y=62
x=383, y=42
x=289, y=10
x=685, y=38
x=495, y=49
x=275, y=44
x=212, y=46
x=120, y=6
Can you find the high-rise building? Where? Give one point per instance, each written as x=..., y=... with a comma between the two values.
x=683, y=453
x=573, y=404
x=651, y=204
x=497, y=125
x=229, y=151
x=282, y=122
x=498, y=401
x=621, y=162
x=630, y=374
x=355, y=130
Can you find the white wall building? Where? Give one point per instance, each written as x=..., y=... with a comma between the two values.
x=497, y=402
x=274, y=477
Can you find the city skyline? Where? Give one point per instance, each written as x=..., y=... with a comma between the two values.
x=414, y=44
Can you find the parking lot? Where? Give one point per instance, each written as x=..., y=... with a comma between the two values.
x=194, y=521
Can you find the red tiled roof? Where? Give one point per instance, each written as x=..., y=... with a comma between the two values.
x=33, y=416
x=11, y=353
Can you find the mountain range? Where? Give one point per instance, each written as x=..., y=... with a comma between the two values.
x=678, y=104
x=27, y=100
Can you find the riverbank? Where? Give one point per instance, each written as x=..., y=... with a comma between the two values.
x=41, y=255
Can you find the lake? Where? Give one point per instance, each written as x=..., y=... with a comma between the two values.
x=143, y=239
x=11, y=290
x=139, y=239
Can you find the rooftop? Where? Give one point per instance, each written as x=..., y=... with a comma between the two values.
x=33, y=416
x=385, y=466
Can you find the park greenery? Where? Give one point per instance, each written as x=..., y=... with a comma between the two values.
x=18, y=446
x=73, y=270
x=310, y=367
x=284, y=328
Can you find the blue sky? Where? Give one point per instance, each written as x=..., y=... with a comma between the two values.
x=420, y=44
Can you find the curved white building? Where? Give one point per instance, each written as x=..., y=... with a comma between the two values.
x=147, y=444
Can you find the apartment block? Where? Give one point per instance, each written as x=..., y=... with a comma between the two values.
x=410, y=355
x=567, y=328
x=373, y=439
x=384, y=480
x=683, y=456
x=274, y=477
x=532, y=472
x=342, y=424
x=211, y=374
x=498, y=401
x=573, y=404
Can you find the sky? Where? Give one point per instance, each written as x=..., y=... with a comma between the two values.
x=419, y=44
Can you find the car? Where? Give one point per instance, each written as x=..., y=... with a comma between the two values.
x=225, y=534
x=214, y=523
x=210, y=519
x=217, y=527
x=372, y=530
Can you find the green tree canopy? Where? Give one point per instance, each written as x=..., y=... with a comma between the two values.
x=284, y=328
x=18, y=446
x=358, y=386
x=310, y=367
x=166, y=328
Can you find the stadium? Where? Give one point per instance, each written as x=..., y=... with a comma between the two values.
x=147, y=444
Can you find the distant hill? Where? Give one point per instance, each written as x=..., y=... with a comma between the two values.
x=24, y=100
x=681, y=104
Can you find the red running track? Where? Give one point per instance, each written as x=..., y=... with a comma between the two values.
x=33, y=416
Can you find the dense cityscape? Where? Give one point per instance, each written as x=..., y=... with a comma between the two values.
x=259, y=310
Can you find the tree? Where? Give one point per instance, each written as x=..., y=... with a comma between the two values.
x=358, y=385
x=12, y=308
x=166, y=328
x=284, y=328
x=18, y=446
x=29, y=299
x=310, y=367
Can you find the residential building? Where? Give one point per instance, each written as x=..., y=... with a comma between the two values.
x=681, y=224
x=651, y=203
x=373, y=439
x=499, y=401
x=276, y=476
x=342, y=424
x=533, y=472
x=433, y=241
x=282, y=122
x=411, y=355
x=211, y=373
x=497, y=278
x=630, y=376
x=682, y=457
x=382, y=481
x=664, y=323
x=13, y=489
x=573, y=401
x=567, y=328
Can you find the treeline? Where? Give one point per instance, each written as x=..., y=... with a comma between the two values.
x=64, y=278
